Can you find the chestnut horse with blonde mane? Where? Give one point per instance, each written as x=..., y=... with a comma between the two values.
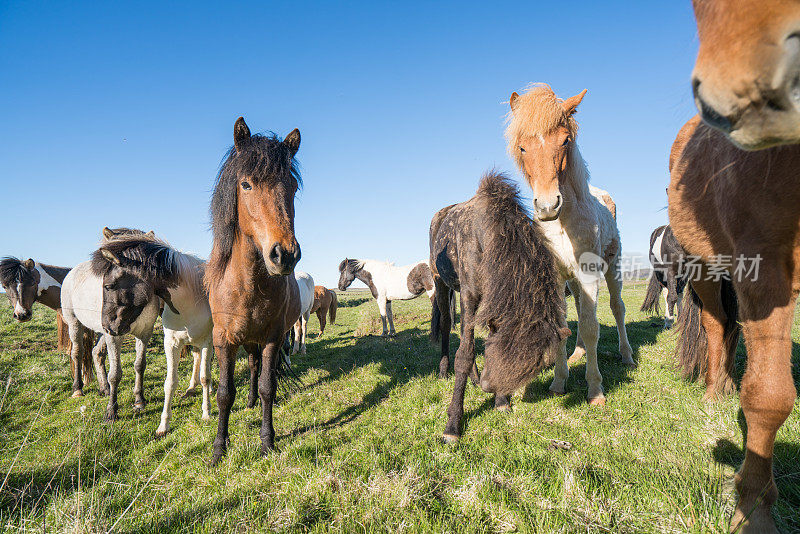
x=325, y=303
x=252, y=291
x=725, y=202
x=576, y=218
x=746, y=79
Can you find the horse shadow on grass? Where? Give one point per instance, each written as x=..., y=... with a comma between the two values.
x=615, y=374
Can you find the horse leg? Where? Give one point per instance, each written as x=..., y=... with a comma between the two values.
x=502, y=403
x=76, y=332
x=614, y=283
x=296, y=344
x=267, y=384
x=712, y=318
x=589, y=331
x=99, y=353
x=254, y=361
x=205, y=378
x=580, y=346
x=303, y=331
x=473, y=373
x=195, y=378
x=226, y=393
x=390, y=317
x=139, y=365
x=561, y=370
x=382, y=311
x=442, y=296
x=321, y=317
x=464, y=362
x=114, y=374
x=767, y=393
x=172, y=350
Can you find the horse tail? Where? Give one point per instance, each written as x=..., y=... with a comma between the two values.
x=333, y=307
x=692, y=347
x=64, y=343
x=651, y=298
x=87, y=344
x=287, y=380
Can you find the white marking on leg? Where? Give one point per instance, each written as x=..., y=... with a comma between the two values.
x=172, y=350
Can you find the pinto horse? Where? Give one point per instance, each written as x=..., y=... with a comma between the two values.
x=491, y=252
x=667, y=278
x=746, y=79
x=387, y=282
x=739, y=212
x=27, y=282
x=577, y=220
x=250, y=280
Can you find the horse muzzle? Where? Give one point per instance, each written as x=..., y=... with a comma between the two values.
x=281, y=261
x=548, y=210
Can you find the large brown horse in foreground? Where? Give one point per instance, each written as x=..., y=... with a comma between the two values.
x=747, y=77
x=740, y=213
x=252, y=291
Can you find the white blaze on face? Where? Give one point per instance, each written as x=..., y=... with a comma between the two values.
x=45, y=280
x=18, y=309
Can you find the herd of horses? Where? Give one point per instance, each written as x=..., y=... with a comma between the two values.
x=733, y=192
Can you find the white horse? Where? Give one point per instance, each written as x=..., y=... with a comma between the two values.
x=387, y=282
x=579, y=220
x=306, y=285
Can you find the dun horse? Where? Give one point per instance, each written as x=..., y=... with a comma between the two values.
x=490, y=251
x=542, y=139
x=252, y=291
x=387, y=282
x=747, y=77
x=739, y=212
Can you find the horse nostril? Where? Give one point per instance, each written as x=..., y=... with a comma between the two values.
x=276, y=254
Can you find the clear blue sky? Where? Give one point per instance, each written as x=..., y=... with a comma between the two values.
x=119, y=114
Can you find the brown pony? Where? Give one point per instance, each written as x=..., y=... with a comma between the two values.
x=252, y=291
x=744, y=206
x=325, y=302
x=747, y=77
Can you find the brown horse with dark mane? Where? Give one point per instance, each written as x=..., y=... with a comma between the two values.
x=252, y=291
x=739, y=212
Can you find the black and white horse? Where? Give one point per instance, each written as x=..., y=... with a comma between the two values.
x=387, y=282
x=667, y=280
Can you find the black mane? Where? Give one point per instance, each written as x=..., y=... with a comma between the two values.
x=264, y=159
x=148, y=258
x=352, y=265
x=12, y=270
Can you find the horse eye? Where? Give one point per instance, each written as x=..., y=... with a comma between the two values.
x=246, y=186
x=566, y=142
x=522, y=150
x=108, y=287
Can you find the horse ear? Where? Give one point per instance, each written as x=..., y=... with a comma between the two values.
x=241, y=134
x=513, y=99
x=107, y=232
x=151, y=233
x=570, y=105
x=341, y=265
x=29, y=264
x=293, y=141
x=110, y=256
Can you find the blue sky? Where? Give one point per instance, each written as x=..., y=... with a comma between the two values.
x=119, y=114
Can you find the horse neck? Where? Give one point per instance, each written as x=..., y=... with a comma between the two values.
x=575, y=190
x=48, y=291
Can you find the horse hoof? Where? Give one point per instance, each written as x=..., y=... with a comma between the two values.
x=160, y=434
x=111, y=417
x=597, y=401
x=218, y=455
x=506, y=408
x=138, y=407
x=442, y=375
x=206, y=417
x=77, y=394
x=450, y=439
x=554, y=393
x=191, y=392
x=630, y=363
x=103, y=392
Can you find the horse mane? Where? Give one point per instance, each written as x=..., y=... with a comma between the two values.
x=152, y=259
x=519, y=273
x=538, y=111
x=12, y=270
x=354, y=265
x=264, y=160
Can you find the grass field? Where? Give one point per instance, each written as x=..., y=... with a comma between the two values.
x=359, y=444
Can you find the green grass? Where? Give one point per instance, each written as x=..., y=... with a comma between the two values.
x=359, y=445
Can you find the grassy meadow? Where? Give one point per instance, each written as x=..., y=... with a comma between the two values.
x=359, y=443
